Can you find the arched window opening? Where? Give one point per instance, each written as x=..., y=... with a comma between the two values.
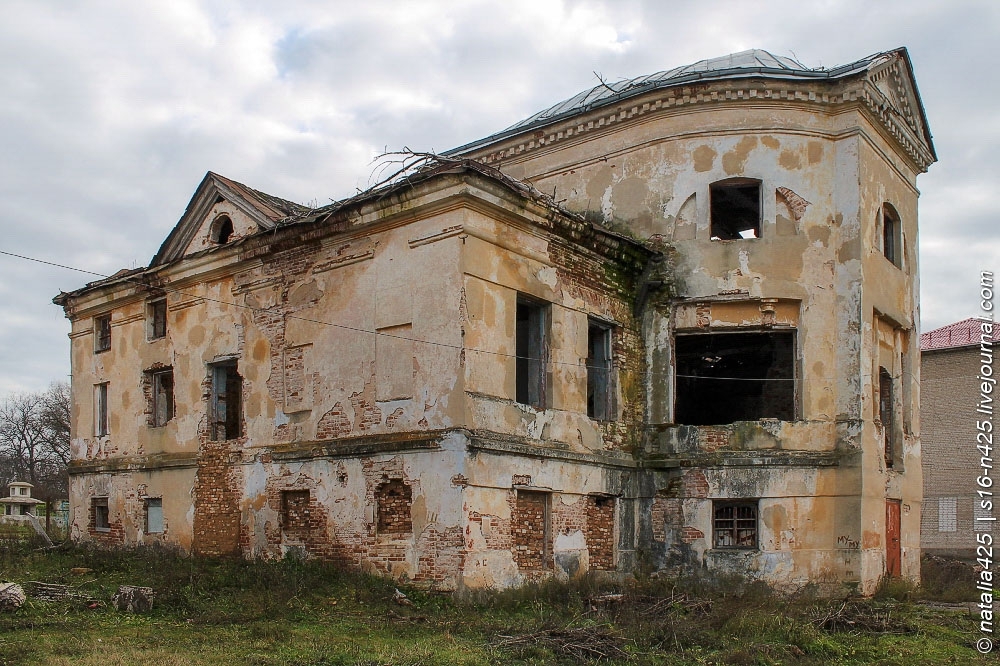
x=222, y=230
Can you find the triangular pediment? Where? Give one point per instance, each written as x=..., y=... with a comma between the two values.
x=896, y=96
x=216, y=201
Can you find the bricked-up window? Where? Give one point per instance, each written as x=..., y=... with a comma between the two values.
x=295, y=512
x=393, y=500
x=154, y=515
x=99, y=514
x=102, y=333
x=728, y=377
x=227, y=398
x=600, y=532
x=735, y=205
x=222, y=230
x=599, y=390
x=163, y=396
x=156, y=319
x=735, y=524
x=531, y=349
x=947, y=514
x=892, y=245
x=886, y=414
x=101, y=409
x=531, y=530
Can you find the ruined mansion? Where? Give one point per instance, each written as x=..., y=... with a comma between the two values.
x=669, y=324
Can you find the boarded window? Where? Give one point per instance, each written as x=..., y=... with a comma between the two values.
x=735, y=524
x=393, y=500
x=102, y=333
x=156, y=319
x=227, y=398
x=101, y=409
x=728, y=377
x=886, y=414
x=891, y=235
x=735, y=209
x=295, y=513
x=99, y=514
x=599, y=391
x=531, y=347
x=163, y=396
x=531, y=530
x=947, y=514
x=154, y=515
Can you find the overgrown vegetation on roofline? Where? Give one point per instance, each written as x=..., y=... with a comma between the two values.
x=309, y=612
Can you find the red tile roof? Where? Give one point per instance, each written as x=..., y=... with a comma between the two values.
x=960, y=334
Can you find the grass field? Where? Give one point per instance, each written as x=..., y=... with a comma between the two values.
x=295, y=612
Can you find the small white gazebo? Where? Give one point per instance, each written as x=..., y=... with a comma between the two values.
x=20, y=502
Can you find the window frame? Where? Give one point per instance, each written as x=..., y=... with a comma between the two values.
x=600, y=366
x=230, y=426
x=102, y=333
x=531, y=351
x=891, y=234
x=149, y=503
x=156, y=319
x=734, y=527
x=97, y=503
x=721, y=226
x=156, y=379
x=102, y=421
x=887, y=414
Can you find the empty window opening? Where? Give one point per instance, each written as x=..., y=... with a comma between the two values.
x=163, y=396
x=222, y=230
x=735, y=524
x=393, y=500
x=154, y=515
x=891, y=235
x=531, y=347
x=531, y=530
x=102, y=333
x=599, y=371
x=295, y=512
x=735, y=206
x=947, y=514
x=156, y=318
x=101, y=409
x=886, y=414
x=728, y=377
x=99, y=514
x=227, y=398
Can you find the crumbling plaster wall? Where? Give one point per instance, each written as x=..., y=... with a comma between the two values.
x=818, y=248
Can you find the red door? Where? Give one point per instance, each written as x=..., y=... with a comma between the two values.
x=892, y=550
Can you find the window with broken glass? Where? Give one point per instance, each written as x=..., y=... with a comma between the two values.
x=599, y=390
x=99, y=510
x=156, y=319
x=227, y=397
x=734, y=376
x=735, y=525
x=163, y=396
x=531, y=349
x=102, y=333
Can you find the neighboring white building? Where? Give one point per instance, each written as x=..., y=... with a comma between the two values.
x=20, y=502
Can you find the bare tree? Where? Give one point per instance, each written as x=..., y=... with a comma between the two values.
x=34, y=440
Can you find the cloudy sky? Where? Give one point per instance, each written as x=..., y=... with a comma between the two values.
x=112, y=111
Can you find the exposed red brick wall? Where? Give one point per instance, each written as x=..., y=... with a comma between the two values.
x=393, y=501
x=529, y=530
x=600, y=532
x=334, y=424
x=216, y=500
